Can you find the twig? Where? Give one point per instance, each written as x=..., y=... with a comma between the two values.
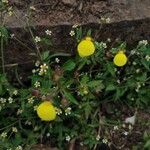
x=2, y=54
x=99, y=130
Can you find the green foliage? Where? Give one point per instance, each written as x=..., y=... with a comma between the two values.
x=77, y=87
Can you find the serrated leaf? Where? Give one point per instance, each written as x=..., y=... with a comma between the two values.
x=47, y=41
x=146, y=64
x=111, y=69
x=45, y=55
x=110, y=87
x=70, y=97
x=95, y=83
x=69, y=65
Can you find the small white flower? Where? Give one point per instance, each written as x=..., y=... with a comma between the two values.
x=35, y=128
x=35, y=107
x=37, y=84
x=3, y=100
x=68, y=111
x=143, y=42
x=118, y=81
x=12, y=36
x=15, y=92
x=31, y=100
x=10, y=13
x=19, y=148
x=75, y=26
x=19, y=111
x=72, y=33
x=32, y=8
x=58, y=111
x=133, y=52
x=126, y=133
x=116, y=128
x=10, y=100
x=123, y=125
x=130, y=127
x=4, y=135
x=98, y=137
x=48, y=32
x=134, y=63
x=33, y=71
x=147, y=57
x=57, y=60
x=68, y=138
x=132, y=99
x=37, y=63
x=137, y=90
x=107, y=20
x=28, y=122
x=105, y=141
x=48, y=134
x=14, y=129
x=137, y=70
x=5, y=1
x=37, y=39
x=130, y=120
x=109, y=40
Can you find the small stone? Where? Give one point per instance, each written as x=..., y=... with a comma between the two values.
x=69, y=2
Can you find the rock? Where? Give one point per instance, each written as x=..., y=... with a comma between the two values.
x=69, y=2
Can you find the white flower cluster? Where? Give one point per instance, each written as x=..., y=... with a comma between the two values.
x=143, y=42
x=4, y=135
x=72, y=33
x=14, y=129
x=105, y=141
x=147, y=57
x=5, y=1
x=105, y=20
x=3, y=100
x=19, y=111
x=37, y=39
x=138, y=87
x=58, y=111
x=31, y=100
x=68, y=138
x=43, y=69
x=98, y=137
x=37, y=84
x=68, y=111
x=19, y=148
x=57, y=60
x=48, y=32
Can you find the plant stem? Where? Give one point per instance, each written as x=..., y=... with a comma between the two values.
x=2, y=55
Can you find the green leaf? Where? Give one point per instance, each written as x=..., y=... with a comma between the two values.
x=147, y=145
x=47, y=41
x=110, y=87
x=111, y=69
x=70, y=97
x=69, y=65
x=4, y=32
x=146, y=64
x=45, y=55
x=95, y=83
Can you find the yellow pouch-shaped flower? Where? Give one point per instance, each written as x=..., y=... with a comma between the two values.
x=120, y=59
x=46, y=111
x=86, y=47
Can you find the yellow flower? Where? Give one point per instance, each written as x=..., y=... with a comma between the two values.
x=46, y=111
x=86, y=47
x=120, y=59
